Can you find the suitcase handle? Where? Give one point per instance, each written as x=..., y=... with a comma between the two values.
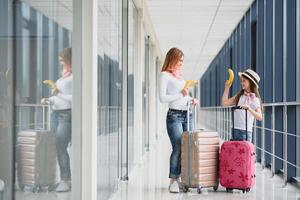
x=189, y=110
x=246, y=113
x=47, y=105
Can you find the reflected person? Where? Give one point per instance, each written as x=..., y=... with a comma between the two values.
x=61, y=118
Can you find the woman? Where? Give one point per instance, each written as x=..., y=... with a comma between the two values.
x=61, y=102
x=172, y=91
x=248, y=98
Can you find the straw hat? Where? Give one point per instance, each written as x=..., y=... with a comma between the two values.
x=252, y=75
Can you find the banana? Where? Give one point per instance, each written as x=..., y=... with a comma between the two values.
x=51, y=83
x=231, y=77
x=190, y=83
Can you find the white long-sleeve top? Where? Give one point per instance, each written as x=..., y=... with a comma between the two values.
x=63, y=99
x=170, y=91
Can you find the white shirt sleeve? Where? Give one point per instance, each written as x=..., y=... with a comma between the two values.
x=256, y=103
x=66, y=97
x=163, y=96
x=52, y=99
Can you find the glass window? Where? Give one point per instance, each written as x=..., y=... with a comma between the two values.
x=109, y=95
x=6, y=100
x=43, y=98
x=132, y=60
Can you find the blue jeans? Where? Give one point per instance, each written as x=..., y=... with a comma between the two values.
x=238, y=134
x=176, y=125
x=62, y=126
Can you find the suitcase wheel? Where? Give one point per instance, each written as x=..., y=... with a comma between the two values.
x=246, y=190
x=22, y=187
x=229, y=190
x=35, y=189
x=185, y=189
x=51, y=188
x=216, y=188
x=199, y=190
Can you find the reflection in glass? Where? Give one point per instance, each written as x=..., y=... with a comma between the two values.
x=6, y=100
x=131, y=64
x=109, y=95
x=43, y=128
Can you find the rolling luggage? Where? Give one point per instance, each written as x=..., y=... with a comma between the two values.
x=36, y=159
x=199, y=158
x=237, y=163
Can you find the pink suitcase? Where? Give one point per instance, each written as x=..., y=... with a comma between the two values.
x=237, y=164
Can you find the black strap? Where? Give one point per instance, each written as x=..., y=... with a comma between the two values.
x=246, y=113
x=254, y=79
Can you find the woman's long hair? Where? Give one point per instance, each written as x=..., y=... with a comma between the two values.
x=253, y=89
x=173, y=56
x=66, y=55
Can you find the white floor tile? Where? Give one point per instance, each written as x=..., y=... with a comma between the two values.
x=149, y=181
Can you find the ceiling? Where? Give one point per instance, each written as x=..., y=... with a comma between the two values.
x=198, y=27
x=60, y=11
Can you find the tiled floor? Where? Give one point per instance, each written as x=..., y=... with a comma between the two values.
x=42, y=196
x=149, y=182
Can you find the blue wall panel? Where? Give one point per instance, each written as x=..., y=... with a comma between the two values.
x=278, y=74
x=268, y=73
x=242, y=44
x=247, y=40
x=289, y=53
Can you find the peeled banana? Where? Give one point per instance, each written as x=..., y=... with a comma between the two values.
x=190, y=83
x=231, y=77
x=50, y=83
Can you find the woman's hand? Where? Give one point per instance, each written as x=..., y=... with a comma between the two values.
x=54, y=90
x=44, y=101
x=195, y=101
x=185, y=92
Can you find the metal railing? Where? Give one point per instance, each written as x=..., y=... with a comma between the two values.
x=109, y=119
x=219, y=118
x=33, y=116
x=38, y=116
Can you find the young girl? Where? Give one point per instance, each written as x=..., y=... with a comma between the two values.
x=171, y=91
x=248, y=98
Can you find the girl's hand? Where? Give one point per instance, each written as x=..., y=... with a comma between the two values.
x=245, y=107
x=256, y=113
x=195, y=101
x=226, y=85
x=185, y=92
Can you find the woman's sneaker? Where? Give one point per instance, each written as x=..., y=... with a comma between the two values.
x=63, y=186
x=174, y=187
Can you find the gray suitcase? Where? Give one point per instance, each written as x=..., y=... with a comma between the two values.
x=36, y=159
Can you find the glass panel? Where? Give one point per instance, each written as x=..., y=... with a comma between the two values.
x=146, y=96
x=131, y=65
x=6, y=100
x=43, y=114
x=109, y=95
